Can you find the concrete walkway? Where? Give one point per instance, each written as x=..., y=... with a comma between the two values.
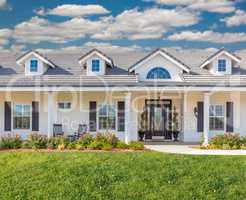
x=187, y=149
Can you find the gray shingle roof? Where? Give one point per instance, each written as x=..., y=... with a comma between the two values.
x=70, y=73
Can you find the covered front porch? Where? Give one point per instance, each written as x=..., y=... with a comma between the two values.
x=149, y=115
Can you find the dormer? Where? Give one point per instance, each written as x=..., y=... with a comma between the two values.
x=221, y=63
x=159, y=66
x=34, y=63
x=95, y=63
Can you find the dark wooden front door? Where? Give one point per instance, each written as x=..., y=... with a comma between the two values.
x=158, y=118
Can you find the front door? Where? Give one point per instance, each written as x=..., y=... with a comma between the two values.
x=158, y=114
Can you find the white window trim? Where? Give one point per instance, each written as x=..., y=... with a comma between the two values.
x=99, y=61
x=64, y=102
x=218, y=66
x=12, y=116
x=116, y=118
x=224, y=107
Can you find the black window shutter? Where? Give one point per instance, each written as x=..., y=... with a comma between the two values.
x=93, y=116
x=35, y=116
x=121, y=116
x=7, y=116
x=200, y=116
x=229, y=117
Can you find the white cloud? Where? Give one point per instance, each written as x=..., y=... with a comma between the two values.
x=73, y=10
x=238, y=19
x=17, y=47
x=5, y=35
x=105, y=47
x=218, y=6
x=131, y=24
x=147, y=24
x=209, y=36
x=39, y=30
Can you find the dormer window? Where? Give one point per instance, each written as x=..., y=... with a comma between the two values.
x=33, y=66
x=221, y=65
x=34, y=63
x=95, y=65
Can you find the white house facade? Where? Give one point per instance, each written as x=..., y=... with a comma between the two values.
x=196, y=94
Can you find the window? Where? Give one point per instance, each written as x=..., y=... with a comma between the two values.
x=221, y=65
x=158, y=73
x=95, y=66
x=64, y=105
x=22, y=116
x=107, y=117
x=216, y=117
x=33, y=66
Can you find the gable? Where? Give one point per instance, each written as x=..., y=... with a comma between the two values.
x=96, y=53
x=21, y=60
x=218, y=54
x=163, y=54
x=159, y=62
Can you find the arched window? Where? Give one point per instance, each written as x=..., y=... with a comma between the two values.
x=158, y=73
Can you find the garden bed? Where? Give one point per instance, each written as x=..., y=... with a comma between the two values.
x=228, y=141
x=71, y=150
x=101, y=142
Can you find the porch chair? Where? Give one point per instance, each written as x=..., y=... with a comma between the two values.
x=82, y=129
x=57, y=130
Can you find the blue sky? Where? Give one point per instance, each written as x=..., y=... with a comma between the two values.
x=122, y=24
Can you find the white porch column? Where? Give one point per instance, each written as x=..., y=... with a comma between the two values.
x=52, y=113
x=184, y=115
x=131, y=119
x=206, y=118
x=127, y=117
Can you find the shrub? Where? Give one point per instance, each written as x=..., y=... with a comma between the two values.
x=122, y=145
x=111, y=139
x=71, y=145
x=79, y=147
x=54, y=142
x=134, y=145
x=100, y=137
x=228, y=141
x=11, y=142
x=36, y=141
x=243, y=140
x=61, y=147
x=107, y=147
x=85, y=140
x=97, y=145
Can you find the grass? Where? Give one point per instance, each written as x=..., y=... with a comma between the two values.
x=133, y=176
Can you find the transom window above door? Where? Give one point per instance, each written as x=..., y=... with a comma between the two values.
x=158, y=73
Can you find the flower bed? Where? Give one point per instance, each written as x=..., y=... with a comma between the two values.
x=228, y=141
x=105, y=142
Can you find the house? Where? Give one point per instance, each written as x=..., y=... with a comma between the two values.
x=124, y=93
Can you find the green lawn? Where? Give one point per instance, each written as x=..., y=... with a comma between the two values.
x=129, y=176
